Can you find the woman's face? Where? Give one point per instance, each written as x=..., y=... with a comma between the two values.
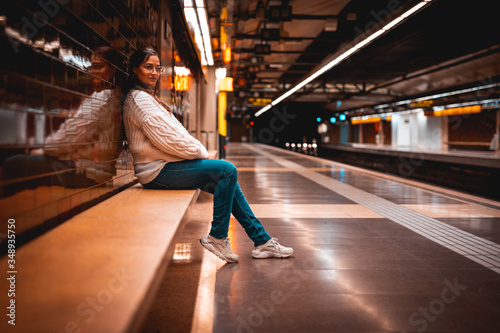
x=149, y=71
x=101, y=70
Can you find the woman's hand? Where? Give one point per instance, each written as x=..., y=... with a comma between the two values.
x=212, y=156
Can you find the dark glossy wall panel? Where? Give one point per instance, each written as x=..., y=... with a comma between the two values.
x=464, y=128
x=61, y=134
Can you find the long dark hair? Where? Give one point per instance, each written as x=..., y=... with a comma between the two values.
x=135, y=60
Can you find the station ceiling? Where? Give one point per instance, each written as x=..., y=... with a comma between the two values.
x=447, y=46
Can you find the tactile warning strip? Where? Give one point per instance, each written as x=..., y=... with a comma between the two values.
x=478, y=249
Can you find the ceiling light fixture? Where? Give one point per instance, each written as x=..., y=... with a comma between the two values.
x=196, y=17
x=334, y=62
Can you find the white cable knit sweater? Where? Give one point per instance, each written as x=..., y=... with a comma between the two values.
x=155, y=136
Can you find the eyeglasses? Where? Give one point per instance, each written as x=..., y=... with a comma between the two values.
x=151, y=68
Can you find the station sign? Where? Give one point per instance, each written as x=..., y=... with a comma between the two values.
x=454, y=111
x=260, y=101
x=422, y=104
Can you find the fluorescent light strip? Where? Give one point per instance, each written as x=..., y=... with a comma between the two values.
x=203, y=20
x=190, y=15
x=451, y=93
x=202, y=16
x=458, y=92
x=345, y=55
x=415, y=8
x=436, y=108
x=387, y=114
x=196, y=15
x=456, y=105
x=393, y=23
x=264, y=109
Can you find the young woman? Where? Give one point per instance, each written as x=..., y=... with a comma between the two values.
x=166, y=156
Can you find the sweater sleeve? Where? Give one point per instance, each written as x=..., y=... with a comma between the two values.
x=166, y=133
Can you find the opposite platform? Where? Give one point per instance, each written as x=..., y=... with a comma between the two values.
x=472, y=171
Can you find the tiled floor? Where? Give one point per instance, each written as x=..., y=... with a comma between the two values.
x=373, y=253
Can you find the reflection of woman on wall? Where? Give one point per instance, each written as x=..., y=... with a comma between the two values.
x=86, y=141
x=166, y=156
x=89, y=136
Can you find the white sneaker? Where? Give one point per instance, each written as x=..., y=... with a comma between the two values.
x=271, y=249
x=220, y=247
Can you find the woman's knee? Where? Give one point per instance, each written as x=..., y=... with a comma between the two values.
x=232, y=169
x=229, y=169
x=220, y=169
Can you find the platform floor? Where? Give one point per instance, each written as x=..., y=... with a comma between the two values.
x=373, y=253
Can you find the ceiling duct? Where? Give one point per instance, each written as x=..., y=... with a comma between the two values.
x=270, y=34
x=280, y=13
x=262, y=49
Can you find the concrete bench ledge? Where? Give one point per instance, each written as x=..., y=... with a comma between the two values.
x=98, y=271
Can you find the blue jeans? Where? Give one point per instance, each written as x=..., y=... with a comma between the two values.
x=219, y=178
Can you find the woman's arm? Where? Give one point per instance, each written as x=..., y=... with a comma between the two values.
x=164, y=131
